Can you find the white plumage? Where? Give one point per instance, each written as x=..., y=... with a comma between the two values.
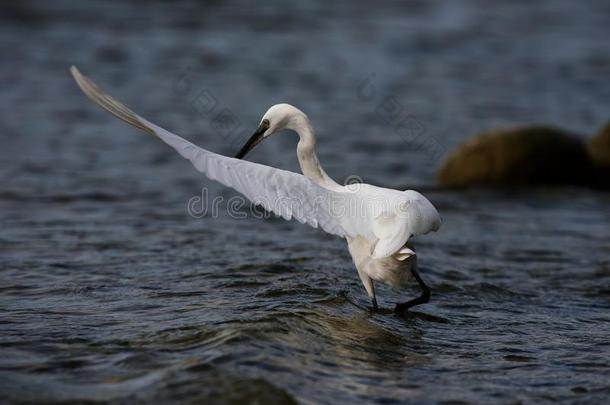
x=377, y=222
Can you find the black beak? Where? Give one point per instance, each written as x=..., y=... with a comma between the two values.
x=254, y=140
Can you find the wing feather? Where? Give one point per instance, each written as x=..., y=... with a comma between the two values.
x=414, y=215
x=292, y=195
x=287, y=194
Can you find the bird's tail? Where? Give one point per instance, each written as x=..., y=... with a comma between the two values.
x=108, y=103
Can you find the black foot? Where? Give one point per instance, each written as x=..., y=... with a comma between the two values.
x=422, y=299
x=375, y=306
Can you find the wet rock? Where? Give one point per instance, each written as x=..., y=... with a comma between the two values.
x=518, y=156
x=599, y=150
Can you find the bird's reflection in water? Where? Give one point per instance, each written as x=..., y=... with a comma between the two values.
x=365, y=347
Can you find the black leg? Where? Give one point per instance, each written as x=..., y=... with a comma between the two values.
x=422, y=299
x=374, y=301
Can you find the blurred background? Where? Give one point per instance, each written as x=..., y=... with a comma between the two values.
x=111, y=290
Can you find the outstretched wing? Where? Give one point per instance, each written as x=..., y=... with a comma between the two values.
x=291, y=195
x=287, y=194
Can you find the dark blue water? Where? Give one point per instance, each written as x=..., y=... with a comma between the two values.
x=110, y=290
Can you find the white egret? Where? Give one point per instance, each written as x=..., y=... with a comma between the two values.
x=376, y=222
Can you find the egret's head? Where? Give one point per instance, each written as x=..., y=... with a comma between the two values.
x=278, y=117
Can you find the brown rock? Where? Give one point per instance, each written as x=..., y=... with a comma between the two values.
x=599, y=147
x=599, y=150
x=518, y=156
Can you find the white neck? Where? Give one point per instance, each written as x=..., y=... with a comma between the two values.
x=306, y=153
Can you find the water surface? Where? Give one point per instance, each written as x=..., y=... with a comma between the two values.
x=111, y=291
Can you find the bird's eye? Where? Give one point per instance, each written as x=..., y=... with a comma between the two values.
x=265, y=122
